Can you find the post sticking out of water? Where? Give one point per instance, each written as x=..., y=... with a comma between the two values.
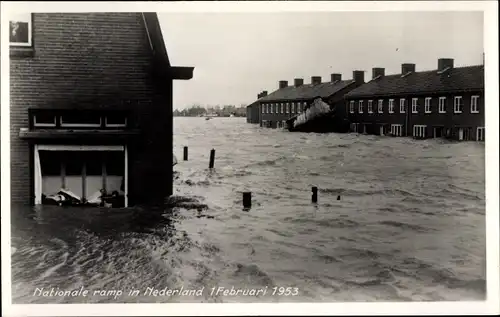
x=212, y=158
x=185, y=153
x=315, y=194
x=247, y=199
x=338, y=197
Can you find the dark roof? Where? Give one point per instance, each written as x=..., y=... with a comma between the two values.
x=468, y=78
x=256, y=102
x=307, y=91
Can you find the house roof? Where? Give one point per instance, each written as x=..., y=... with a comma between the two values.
x=157, y=44
x=468, y=78
x=308, y=91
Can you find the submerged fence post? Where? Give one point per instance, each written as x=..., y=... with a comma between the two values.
x=247, y=199
x=185, y=153
x=314, y=194
x=212, y=158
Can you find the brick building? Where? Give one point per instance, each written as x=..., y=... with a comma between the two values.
x=253, y=114
x=91, y=106
x=445, y=102
x=288, y=101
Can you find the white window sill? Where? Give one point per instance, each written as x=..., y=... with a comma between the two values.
x=474, y=112
x=457, y=112
x=428, y=112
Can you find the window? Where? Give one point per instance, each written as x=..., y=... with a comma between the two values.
x=480, y=134
x=427, y=105
x=44, y=120
x=263, y=107
x=473, y=104
x=380, y=106
x=442, y=104
x=81, y=119
x=370, y=106
x=396, y=129
x=419, y=131
x=287, y=107
x=299, y=107
x=282, y=107
x=115, y=120
x=20, y=29
x=458, y=104
x=391, y=105
x=402, y=105
x=360, y=107
x=293, y=107
x=351, y=106
x=414, y=105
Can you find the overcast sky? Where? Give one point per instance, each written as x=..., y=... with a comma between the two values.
x=237, y=55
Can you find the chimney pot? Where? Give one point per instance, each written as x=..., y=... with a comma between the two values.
x=359, y=76
x=444, y=63
x=378, y=71
x=407, y=68
x=316, y=80
x=283, y=84
x=298, y=82
x=264, y=93
x=336, y=77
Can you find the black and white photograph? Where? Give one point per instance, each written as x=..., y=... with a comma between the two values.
x=249, y=153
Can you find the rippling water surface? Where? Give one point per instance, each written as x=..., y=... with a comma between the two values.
x=409, y=225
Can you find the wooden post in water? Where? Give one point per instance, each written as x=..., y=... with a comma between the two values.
x=212, y=158
x=315, y=194
x=247, y=199
x=338, y=197
x=185, y=153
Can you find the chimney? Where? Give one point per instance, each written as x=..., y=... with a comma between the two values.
x=378, y=71
x=336, y=77
x=259, y=96
x=359, y=76
x=316, y=80
x=283, y=84
x=298, y=82
x=444, y=63
x=407, y=68
x=264, y=93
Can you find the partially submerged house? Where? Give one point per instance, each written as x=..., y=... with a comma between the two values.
x=91, y=107
x=289, y=101
x=445, y=102
x=253, y=113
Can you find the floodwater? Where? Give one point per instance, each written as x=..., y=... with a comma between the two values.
x=409, y=225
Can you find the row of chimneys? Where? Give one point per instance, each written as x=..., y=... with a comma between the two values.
x=358, y=75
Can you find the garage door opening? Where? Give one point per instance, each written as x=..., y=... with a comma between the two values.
x=66, y=175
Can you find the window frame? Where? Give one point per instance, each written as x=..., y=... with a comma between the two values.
x=442, y=105
x=351, y=106
x=79, y=125
x=402, y=105
x=360, y=106
x=45, y=125
x=391, y=105
x=115, y=125
x=475, y=104
x=29, y=44
x=380, y=106
x=414, y=105
x=427, y=105
x=458, y=106
x=370, y=106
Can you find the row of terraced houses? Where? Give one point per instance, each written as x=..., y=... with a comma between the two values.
x=445, y=102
